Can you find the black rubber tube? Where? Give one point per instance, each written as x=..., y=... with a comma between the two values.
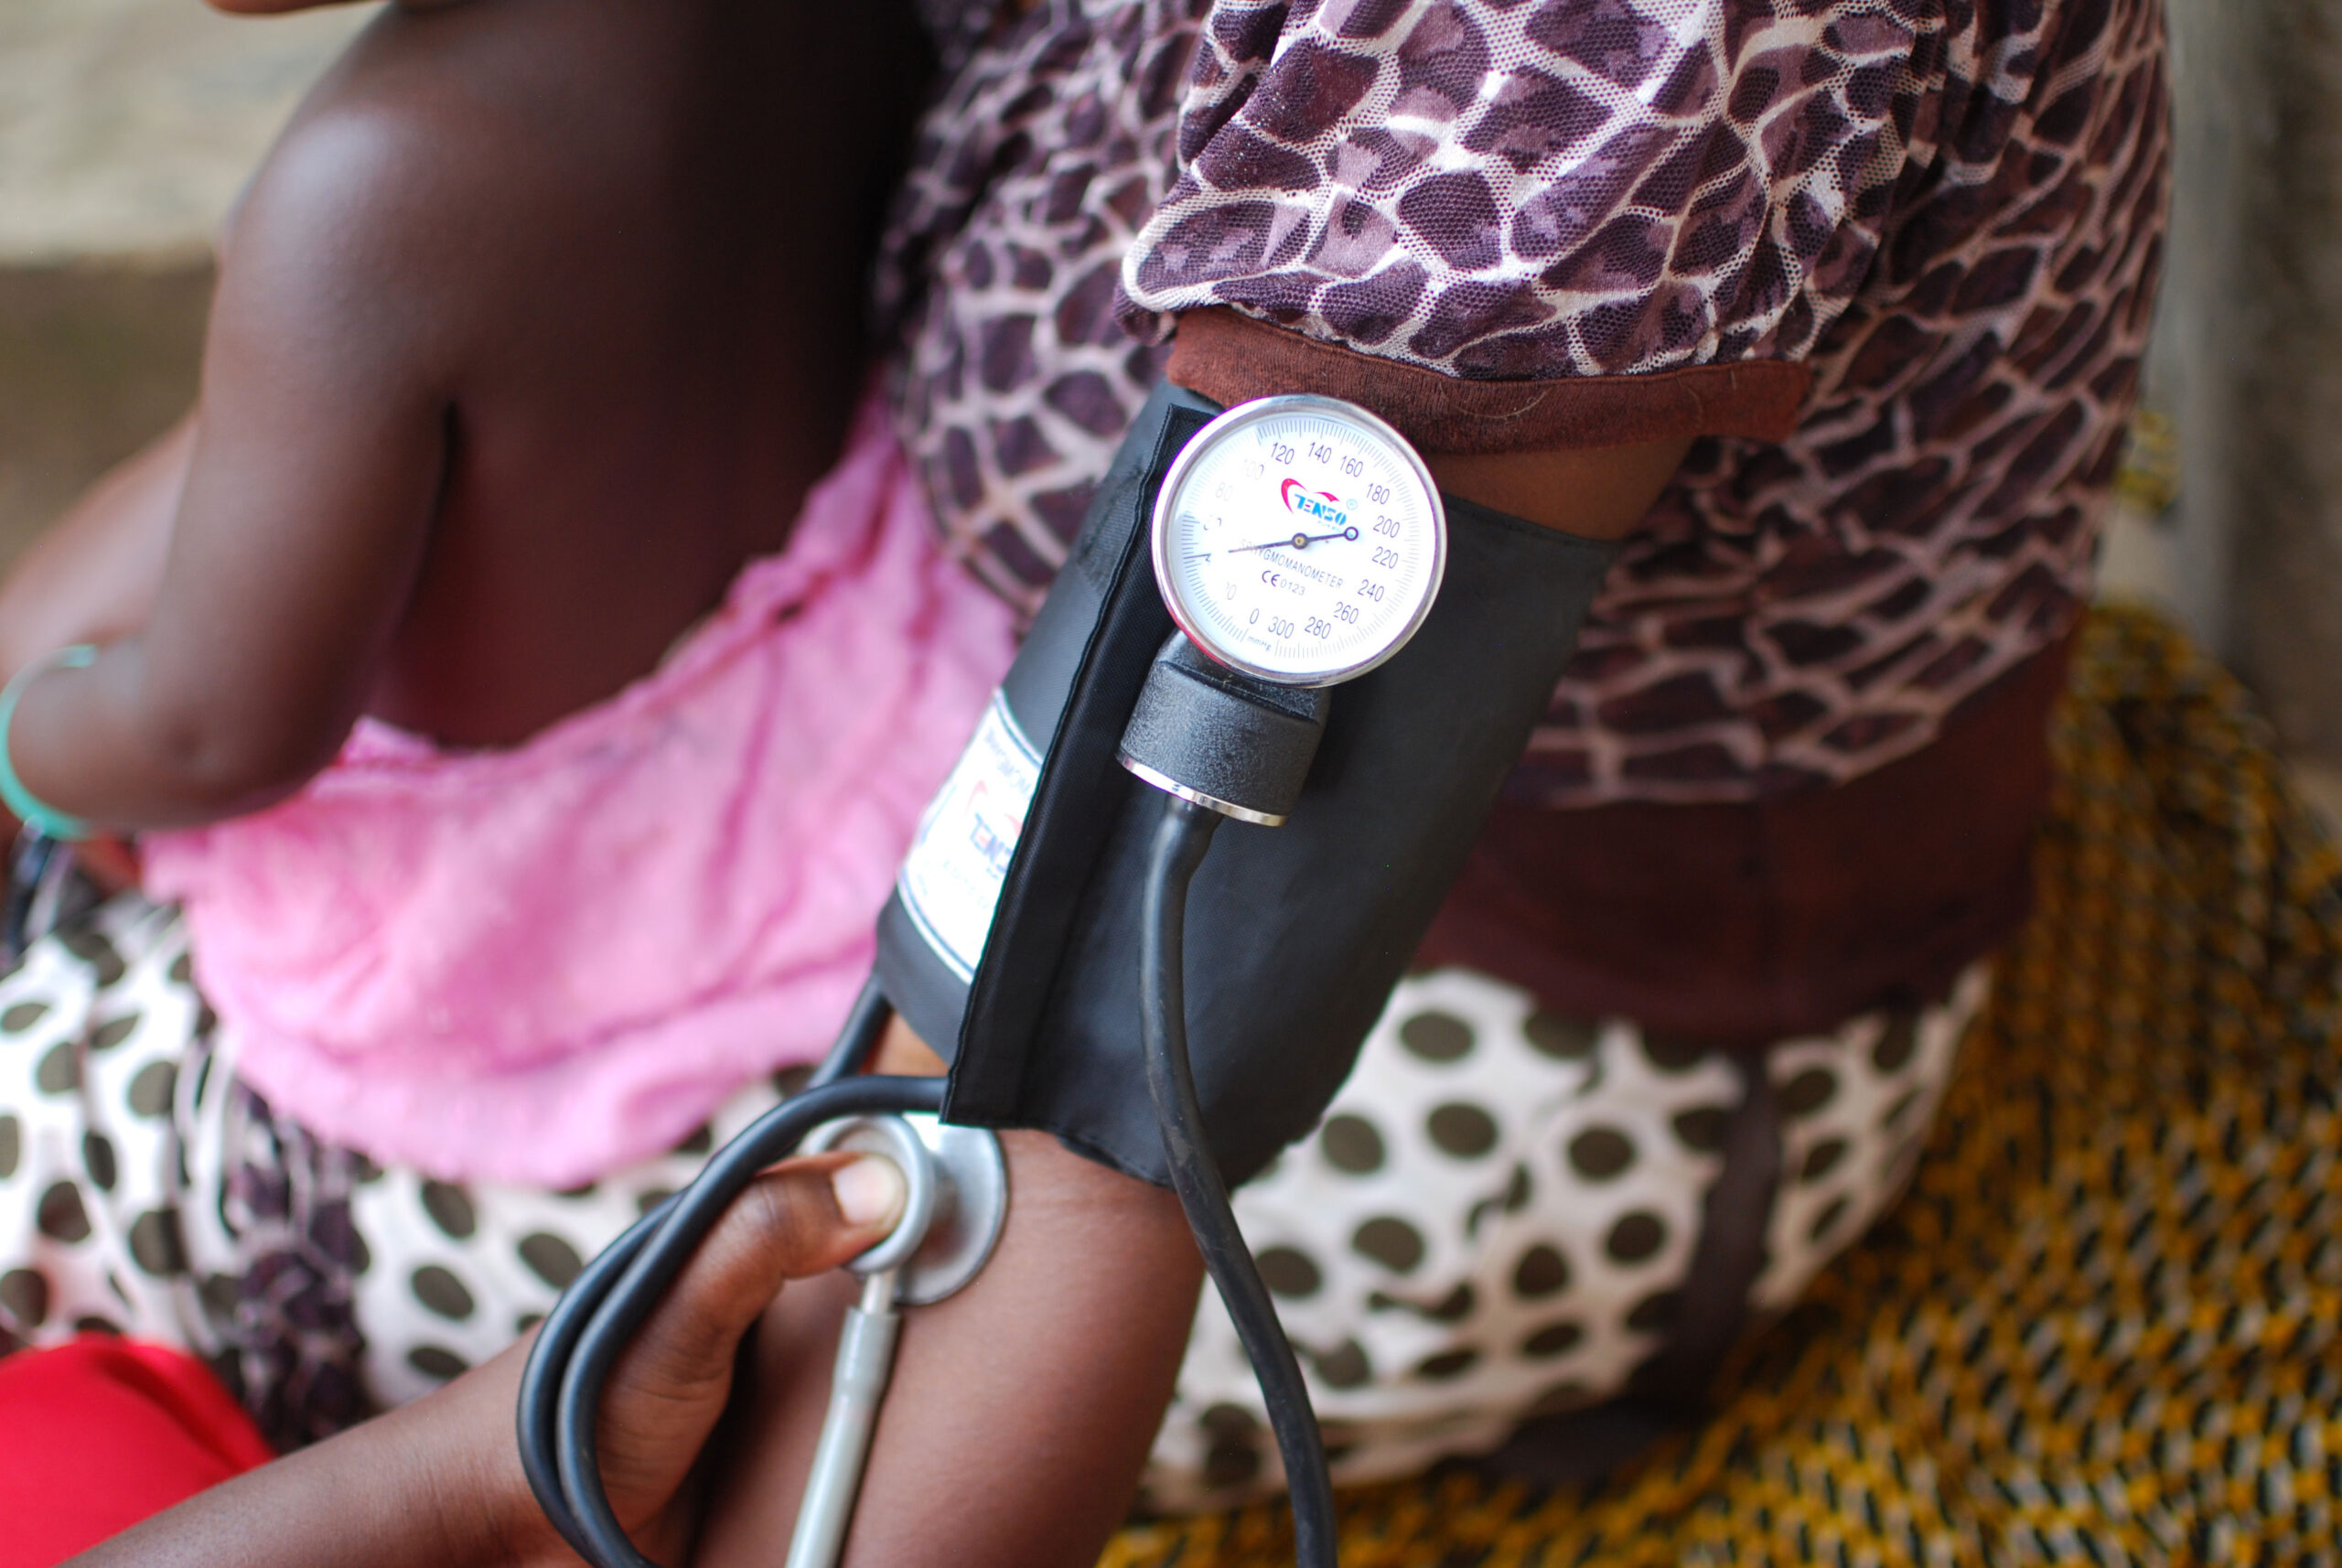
x=589, y=1328
x=550, y=1359
x=866, y=1025
x=1179, y=848
x=548, y=1363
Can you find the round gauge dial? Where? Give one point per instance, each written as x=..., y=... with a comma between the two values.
x=1300, y=539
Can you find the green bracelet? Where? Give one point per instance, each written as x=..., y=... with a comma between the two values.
x=28, y=807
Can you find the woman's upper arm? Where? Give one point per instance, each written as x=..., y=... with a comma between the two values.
x=1521, y=228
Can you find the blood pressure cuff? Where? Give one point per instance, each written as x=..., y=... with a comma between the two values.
x=1012, y=942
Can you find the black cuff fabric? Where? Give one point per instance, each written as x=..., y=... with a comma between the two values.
x=1296, y=934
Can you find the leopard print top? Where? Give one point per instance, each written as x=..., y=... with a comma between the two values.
x=1950, y=212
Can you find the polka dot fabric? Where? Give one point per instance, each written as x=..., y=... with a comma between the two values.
x=2104, y=1324
x=89, y=1236
x=1497, y=1217
x=145, y=1191
x=1856, y=1110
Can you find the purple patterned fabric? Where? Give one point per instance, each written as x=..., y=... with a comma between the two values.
x=1580, y=187
x=1951, y=212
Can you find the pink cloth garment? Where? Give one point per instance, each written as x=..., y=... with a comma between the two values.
x=535, y=965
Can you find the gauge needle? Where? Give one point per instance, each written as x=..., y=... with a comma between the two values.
x=1298, y=541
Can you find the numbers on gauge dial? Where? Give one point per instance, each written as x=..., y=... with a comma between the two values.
x=1301, y=546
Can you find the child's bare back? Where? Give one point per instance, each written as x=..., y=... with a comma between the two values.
x=536, y=324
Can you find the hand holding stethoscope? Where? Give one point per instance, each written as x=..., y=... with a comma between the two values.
x=439, y=1481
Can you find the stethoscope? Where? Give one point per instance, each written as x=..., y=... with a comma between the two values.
x=1298, y=541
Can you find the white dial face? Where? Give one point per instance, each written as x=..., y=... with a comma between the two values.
x=1299, y=539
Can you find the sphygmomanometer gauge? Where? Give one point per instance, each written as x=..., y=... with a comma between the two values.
x=1299, y=539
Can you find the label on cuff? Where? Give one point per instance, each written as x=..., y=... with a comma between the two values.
x=951, y=881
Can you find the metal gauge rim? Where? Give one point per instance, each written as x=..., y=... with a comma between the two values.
x=1226, y=424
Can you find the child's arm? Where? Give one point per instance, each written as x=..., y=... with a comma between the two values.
x=306, y=513
x=438, y=1483
x=93, y=575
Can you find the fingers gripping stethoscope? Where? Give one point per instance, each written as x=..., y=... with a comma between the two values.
x=955, y=1203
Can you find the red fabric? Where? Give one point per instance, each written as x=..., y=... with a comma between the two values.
x=98, y=1435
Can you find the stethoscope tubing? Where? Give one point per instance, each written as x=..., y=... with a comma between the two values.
x=590, y=1327
x=1181, y=840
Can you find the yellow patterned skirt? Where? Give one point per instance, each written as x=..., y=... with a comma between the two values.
x=2106, y=1323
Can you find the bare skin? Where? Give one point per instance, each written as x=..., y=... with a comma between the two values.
x=1601, y=494
x=535, y=325
x=438, y=1483
x=517, y=356
x=1063, y=1353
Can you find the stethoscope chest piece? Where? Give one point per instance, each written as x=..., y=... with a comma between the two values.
x=954, y=1211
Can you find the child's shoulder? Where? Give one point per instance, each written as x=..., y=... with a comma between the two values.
x=409, y=183
x=346, y=175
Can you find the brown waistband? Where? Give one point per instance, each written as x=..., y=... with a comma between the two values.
x=1738, y=924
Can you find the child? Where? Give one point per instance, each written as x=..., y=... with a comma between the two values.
x=529, y=784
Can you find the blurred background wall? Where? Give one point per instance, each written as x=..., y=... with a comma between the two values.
x=2272, y=356
x=2242, y=437
x=126, y=127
